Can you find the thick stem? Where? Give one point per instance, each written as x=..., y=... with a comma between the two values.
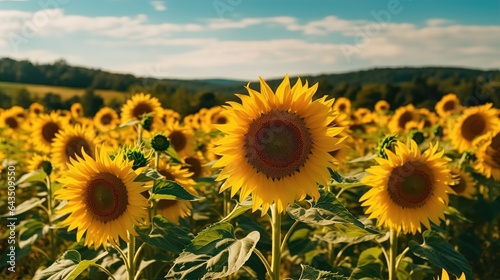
x=157, y=160
x=131, y=255
x=50, y=210
x=139, y=134
x=393, y=252
x=276, y=239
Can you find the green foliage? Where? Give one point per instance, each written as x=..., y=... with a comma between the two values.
x=166, y=189
x=440, y=253
x=214, y=253
x=310, y=273
x=161, y=235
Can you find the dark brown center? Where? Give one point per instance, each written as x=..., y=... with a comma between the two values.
x=221, y=120
x=277, y=144
x=106, y=197
x=106, y=119
x=49, y=131
x=178, y=140
x=11, y=122
x=74, y=147
x=460, y=186
x=194, y=166
x=449, y=106
x=404, y=118
x=473, y=126
x=141, y=109
x=493, y=151
x=410, y=185
x=168, y=175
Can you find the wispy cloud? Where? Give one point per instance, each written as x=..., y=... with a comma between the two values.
x=160, y=6
x=203, y=48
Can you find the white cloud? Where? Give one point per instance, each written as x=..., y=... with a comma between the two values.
x=159, y=5
x=197, y=50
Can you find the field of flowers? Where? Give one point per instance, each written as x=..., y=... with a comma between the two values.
x=279, y=185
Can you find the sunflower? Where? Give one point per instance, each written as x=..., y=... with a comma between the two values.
x=446, y=276
x=76, y=110
x=168, y=116
x=488, y=155
x=181, y=138
x=72, y=142
x=44, y=130
x=401, y=117
x=36, y=108
x=139, y=105
x=343, y=105
x=196, y=165
x=10, y=120
x=382, y=106
x=277, y=145
x=448, y=105
x=40, y=162
x=106, y=119
x=462, y=183
x=408, y=188
x=476, y=121
x=103, y=199
x=173, y=210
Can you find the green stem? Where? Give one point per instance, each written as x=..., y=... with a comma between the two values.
x=400, y=257
x=104, y=270
x=122, y=255
x=287, y=235
x=157, y=160
x=263, y=260
x=50, y=207
x=276, y=245
x=227, y=205
x=131, y=255
x=393, y=252
x=139, y=134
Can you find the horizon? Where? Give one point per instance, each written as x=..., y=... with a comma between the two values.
x=238, y=40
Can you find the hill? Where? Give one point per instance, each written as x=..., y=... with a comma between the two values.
x=422, y=86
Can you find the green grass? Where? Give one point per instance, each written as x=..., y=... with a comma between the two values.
x=64, y=92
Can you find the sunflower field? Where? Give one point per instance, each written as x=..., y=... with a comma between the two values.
x=277, y=185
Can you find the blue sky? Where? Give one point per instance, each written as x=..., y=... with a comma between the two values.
x=244, y=39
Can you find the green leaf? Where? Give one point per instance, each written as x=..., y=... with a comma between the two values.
x=311, y=273
x=214, y=253
x=161, y=234
x=348, y=233
x=128, y=123
x=328, y=211
x=440, y=253
x=69, y=266
x=166, y=189
x=35, y=176
x=238, y=210
x=30, y=231
x=150, y=174
x=369, y=265
x=174, y=157
x=27, y=205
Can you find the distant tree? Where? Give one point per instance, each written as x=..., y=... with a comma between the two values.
x=91, y=102
x=52, y=101
x=72, y=100
x=5, y=100
x=22, y=98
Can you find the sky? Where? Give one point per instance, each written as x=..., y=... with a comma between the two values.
x=245, y=39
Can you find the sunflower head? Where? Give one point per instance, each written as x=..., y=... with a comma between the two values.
x=343, y=105
x=45, y=129
x=103, y=199
x=475, y=122
x=386, y=144
x=401, y=117
x=448, y=105
x=36, y=108
x=409, y=188
x=136, y=155
x=106, y=119
x=463, y=183
x=139, y=105
x=40, y=162
x=160, y=142
x=76, y=110
x=277, y=145
x=71, y=142
x=382, y=106
x=488, y=156
x=147, y=121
